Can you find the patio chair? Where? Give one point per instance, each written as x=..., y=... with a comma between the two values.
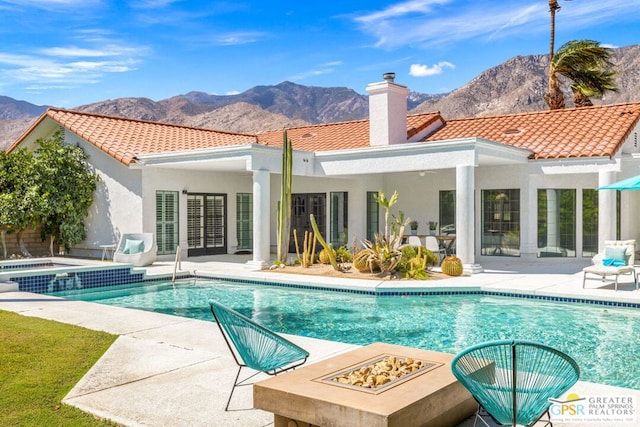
x=138, y=249
x=431, y=243
x=414, y=241
x=513, y=380
x=617, y=258
x=254, y=346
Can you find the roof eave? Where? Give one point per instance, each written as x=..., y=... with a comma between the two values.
x=209, y=153
x=427, y=147
x=30, y=129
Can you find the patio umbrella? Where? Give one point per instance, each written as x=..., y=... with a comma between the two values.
x=632, y=183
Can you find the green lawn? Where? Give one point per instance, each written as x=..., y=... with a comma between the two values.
x=40, y=362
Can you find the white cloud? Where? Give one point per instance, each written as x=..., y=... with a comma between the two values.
x=69, y=65
x=326, y=68
x=152, y=4
x=238, y=38
x=442, y=22
x=420, y=70
x=401, y=9
x=53, y=4
x=108, y=50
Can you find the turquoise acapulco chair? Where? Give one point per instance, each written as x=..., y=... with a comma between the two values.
x=513, y=380
x=254, y=346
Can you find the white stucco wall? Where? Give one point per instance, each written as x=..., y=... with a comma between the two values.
x=356, y=188
x=419, y=198
x=155, y=179
x=125, y=199
x=116, y=204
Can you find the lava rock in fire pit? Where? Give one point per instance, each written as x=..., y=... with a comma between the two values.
x=380, y=373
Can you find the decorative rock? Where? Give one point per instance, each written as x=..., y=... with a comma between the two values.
x=380, y=373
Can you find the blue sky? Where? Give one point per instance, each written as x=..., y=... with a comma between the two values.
x=72, y=52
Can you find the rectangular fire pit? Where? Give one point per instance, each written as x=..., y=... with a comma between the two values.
x=380, y=373
x=311, y=395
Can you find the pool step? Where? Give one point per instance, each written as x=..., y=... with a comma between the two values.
x=8, y=286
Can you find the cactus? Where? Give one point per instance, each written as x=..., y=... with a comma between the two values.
x=330, y=252
x=323, y=256
x=360, y=260
x=308, y=248
x=284, y=205
x=452, y=266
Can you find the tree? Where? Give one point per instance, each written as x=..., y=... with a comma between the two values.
x=589, y=68
x=554, y=96
x=66, y=185
x=20, y=201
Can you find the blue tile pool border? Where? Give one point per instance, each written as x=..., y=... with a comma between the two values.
x=102, y=279
x=387, y=293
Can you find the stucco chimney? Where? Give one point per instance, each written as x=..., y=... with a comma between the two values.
x=387, y=112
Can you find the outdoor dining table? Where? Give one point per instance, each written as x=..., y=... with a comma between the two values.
x=446, y=242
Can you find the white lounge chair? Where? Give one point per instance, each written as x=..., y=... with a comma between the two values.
x=139, y=249
x=617, y=258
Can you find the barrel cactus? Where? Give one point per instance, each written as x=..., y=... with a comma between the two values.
x=451, y=266
x=364, y=262
x=323, y=256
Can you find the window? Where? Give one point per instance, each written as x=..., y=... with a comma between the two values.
x=373, y=215
x=303, y=205
x=556, y=223
x=447, y=214
x=207, y=224
x=500, y=222
x=339, y=232
x=589, y=222
x=244, y=220
x=167, y=222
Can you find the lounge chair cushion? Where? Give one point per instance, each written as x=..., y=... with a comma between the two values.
x=133, y=246
x=615, y=256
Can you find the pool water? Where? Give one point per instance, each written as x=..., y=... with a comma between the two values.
x=605, y=341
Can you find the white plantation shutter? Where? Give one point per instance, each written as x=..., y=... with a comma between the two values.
x=244, y=220
x=167, y=221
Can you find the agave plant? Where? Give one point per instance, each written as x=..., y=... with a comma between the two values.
x=384, y=252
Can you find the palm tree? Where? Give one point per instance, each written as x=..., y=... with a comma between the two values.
x=587, y=65
x=553, y=97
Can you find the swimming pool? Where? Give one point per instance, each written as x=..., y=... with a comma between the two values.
x=605, y=341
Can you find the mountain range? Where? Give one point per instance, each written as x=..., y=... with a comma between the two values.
x=517, y=85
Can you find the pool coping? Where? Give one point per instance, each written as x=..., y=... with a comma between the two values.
x=383, y=288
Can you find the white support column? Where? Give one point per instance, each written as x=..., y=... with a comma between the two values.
x=529, y=218
x=606, y=209
x=465, y=218
x=261, y=219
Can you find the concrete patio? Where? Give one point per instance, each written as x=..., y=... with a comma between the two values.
x=171, y=371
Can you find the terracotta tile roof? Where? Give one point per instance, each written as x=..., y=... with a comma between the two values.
x=574, y=132
x=124, y=139
x=339, y=136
